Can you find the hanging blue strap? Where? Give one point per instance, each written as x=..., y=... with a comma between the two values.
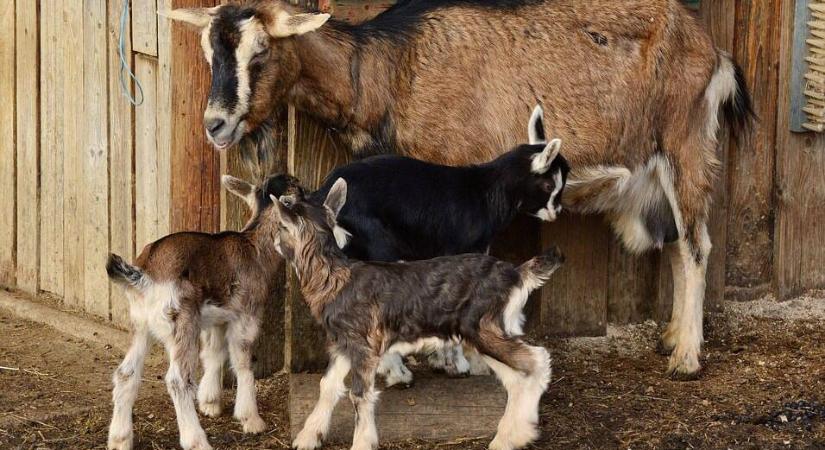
x=124, y=65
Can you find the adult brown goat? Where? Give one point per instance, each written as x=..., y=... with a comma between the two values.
x=633, y=87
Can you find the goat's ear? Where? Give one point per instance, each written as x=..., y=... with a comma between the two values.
x=280, y=210
x=283, y=24
x=241, y=188
x=542, y=161
x=535, y=128
x=197, y=18
x=337, y=196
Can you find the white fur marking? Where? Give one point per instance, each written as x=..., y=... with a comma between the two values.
x=550, y=212
x=722, y=87
x=541, y=162
x=342, y=236
x=532, y=132
x=332, y=389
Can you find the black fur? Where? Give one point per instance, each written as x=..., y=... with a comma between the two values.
x=400, y=22
x=661, y=223
x=738, y=111
x=403, y=209
x=122, y=272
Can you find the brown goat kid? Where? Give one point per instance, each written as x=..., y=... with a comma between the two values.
x=634, y=88
x=369, y=309
x=190, y=285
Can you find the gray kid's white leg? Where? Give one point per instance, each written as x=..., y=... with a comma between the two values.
x=393, y=370
x=332, y=389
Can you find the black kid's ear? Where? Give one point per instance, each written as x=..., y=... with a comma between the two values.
x=542, y=161
x=337, y=197
x=535, y=128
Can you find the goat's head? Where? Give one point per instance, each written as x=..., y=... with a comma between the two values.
x=302, y=224
x=253, y=60
x=537, y=172
x=257, y=198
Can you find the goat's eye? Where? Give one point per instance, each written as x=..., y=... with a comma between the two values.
x=547, y=186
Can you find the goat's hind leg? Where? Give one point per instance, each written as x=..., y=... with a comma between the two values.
x=394, y=371
x=213, y=355
x=525, y=372
x=241, y=336
x=332, y=389
x=182, y=347
x=126, y=381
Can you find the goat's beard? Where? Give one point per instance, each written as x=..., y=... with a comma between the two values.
x=262, y=150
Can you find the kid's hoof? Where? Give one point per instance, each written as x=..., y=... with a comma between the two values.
x=254, y=425
x=306, y=441
x=212, y=409
x=684, y=365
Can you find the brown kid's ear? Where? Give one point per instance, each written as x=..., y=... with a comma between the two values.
x=337, y=197
x=283, y=24
x=240, y=188
x=197, y=18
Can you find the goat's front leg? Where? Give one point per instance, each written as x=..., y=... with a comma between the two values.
x=182, y=347
x=364, y=396
x=241, y=335
x=332, y=389
x=127, y=382
x=213, y=355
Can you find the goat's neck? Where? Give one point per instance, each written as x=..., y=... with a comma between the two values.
x=501, y=203
x=262, y=237
x=322, y=272
x=343, y=82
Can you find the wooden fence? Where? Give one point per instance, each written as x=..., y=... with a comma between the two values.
x=83, y=172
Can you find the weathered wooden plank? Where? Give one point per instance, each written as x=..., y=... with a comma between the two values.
x=145, y=27
x=751, y=162
x=355, y=11
x=163, y=113
x=797, y=53
x=121, y=151
x=435, y=408
x=51, y=149
x=574, y=302
x=73, y=153
x=631, y=287
x=96, y=159
x=27, y=143
x=195, y=165
x=312, y=154
x=799, y=253
x=147, y=228
x=7, y=147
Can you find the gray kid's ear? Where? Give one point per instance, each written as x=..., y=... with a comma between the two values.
x=337, y=197
x=240, y=188
x=535, y=128
x=542, y=161
x=284, y=24
x=280, y=210
x=197, y=18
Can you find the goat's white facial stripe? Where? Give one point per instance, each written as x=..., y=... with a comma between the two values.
x=550, y=212
x=206, y=44
x=248, y=47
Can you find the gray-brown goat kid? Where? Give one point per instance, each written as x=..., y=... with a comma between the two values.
x=190, y=285
x=369, y=308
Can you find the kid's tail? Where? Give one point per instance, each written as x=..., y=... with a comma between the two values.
x=122, y=272
x=536, y=272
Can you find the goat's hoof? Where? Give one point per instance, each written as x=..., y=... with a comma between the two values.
x=307, y=440
x=667, y=342
x=210, y=409
x=402, y=381
x=684, y=365
x=120, y=443
x=500, y=444
x=254, y=425
x=199, y=443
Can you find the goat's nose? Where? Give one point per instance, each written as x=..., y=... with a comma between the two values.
x=214, y=125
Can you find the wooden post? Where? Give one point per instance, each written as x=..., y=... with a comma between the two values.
x=195, y=165
x=7, y=147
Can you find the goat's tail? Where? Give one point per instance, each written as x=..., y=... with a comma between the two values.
x=122, y=272
x=536, y=272
x=728, y=94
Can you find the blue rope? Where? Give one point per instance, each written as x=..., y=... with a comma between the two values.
x=124, y=65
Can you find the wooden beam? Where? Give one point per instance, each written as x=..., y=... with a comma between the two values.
x=195, y=165
x=121, y=154
x=95, y=160
x=145, y=27
x=751, y=161
x=27, y=70
x=7, y=147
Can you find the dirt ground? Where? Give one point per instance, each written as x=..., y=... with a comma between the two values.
x=763, y=388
